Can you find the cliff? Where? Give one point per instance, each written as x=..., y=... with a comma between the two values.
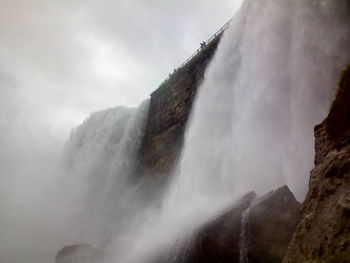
x=323, y=234
x=170, y=107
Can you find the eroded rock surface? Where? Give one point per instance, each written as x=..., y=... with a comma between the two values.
x=323, y=235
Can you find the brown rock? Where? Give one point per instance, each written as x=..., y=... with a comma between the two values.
x=323, y=234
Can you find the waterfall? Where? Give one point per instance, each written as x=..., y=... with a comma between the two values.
x=244, y=238
x=272, y=79
x=100, y=159
x=251, y=128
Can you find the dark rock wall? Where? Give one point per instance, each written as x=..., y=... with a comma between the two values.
x=169, y=110
x=323, y=234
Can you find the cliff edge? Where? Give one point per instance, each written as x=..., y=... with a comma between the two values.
x=323, y=234
x=170, y=107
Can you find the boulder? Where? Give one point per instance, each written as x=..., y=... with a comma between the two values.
x=272, y=222
x=257, y=230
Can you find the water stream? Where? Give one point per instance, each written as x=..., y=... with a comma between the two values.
x=244, y=237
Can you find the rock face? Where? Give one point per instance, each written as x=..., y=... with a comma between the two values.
x=218, y=241
x=323, y=234
x=261, y=232
x=169, y=110
x=81, y=254
x=272, y=222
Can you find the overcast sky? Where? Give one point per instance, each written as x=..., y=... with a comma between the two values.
x=62, y=60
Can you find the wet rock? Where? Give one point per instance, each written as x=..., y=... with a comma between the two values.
x=271, y=222
x=216, y=241
x=169, y=110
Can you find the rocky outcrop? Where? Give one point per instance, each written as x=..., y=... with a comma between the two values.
x=83, y=253
x=273, y=220
x=218, y=241
x=270, y=223
x=323, y=234
x=169, y=110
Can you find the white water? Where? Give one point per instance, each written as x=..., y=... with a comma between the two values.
x=244, y=237
x=100, y=160
x=272, y=79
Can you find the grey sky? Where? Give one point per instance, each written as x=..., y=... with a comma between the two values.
x=61, y=60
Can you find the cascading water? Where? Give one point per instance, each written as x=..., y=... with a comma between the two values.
x=100, y=160
x=244, y=238
x=272, y=79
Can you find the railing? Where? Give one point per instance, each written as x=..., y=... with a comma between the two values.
x=217, y=33
x=222, y=29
